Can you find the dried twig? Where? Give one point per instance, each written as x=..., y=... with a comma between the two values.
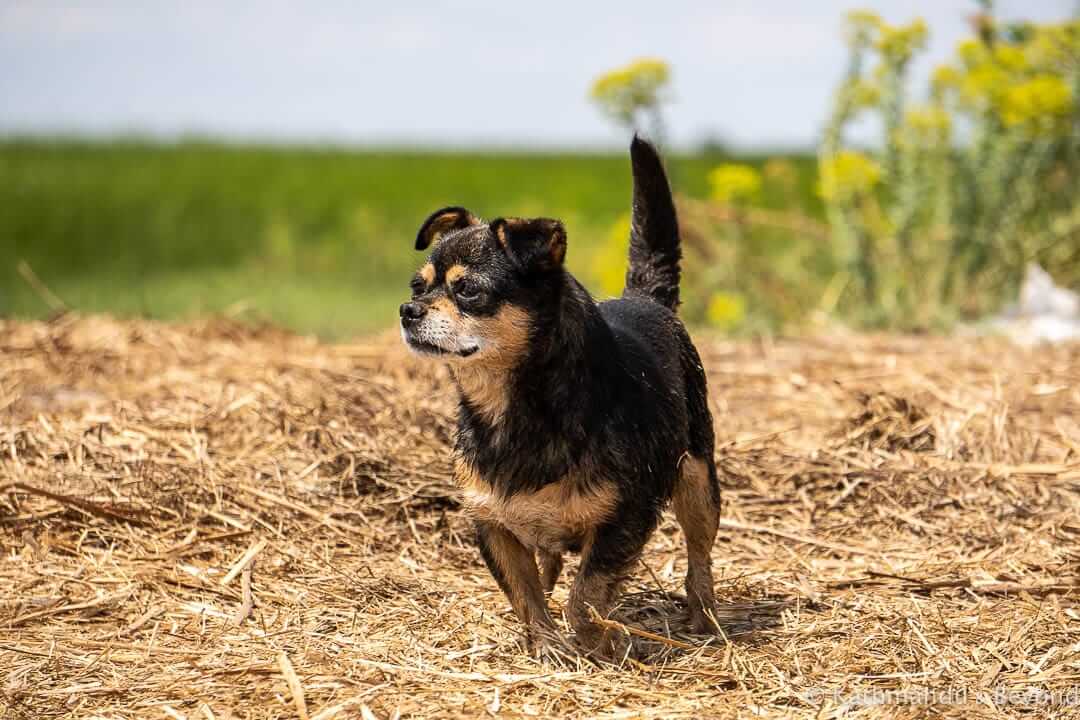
x=627, y=629
x=86, y=506
x=44, y=292
x=244, y=560
x=296, y=689
x=248, y=601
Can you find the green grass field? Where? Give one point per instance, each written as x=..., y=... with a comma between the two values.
x=318, y=240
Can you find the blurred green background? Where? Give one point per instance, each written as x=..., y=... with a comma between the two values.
x=317, y=240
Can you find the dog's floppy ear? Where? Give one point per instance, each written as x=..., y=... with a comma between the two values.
x=441, y=222
x=537, y=244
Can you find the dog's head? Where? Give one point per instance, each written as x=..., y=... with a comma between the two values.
x=476, y=298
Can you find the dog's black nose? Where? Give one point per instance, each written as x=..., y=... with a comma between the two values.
x=411, y=312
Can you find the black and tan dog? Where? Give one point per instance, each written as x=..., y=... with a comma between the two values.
x=578, y=421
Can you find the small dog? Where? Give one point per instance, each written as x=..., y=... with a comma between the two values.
x=578, y=421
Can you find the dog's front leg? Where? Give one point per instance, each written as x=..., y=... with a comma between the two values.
x=514, y=568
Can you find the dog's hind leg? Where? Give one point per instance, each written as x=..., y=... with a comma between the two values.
x=697, y=508
x=551, y=564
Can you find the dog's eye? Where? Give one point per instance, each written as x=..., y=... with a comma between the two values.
x=467, y=291
x=417, y=285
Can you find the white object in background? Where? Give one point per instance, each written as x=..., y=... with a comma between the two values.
x=1040, y=296
x=1045, y=312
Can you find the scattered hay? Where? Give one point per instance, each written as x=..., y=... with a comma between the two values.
x=214, y=521
x=888, y=422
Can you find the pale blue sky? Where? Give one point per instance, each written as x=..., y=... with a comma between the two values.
x=477, y=72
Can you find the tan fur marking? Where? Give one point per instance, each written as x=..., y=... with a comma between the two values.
x=558, y=254
x=483, y=382
x=551, y=564
x=467, y=478
x=447, y=307
x=693, y=503
x=550, y=518
x=440, y=225
x=514, y=559
x=698, y=515
x=454, y=273
x=428, y=274
x=508, y=331
x=484, y=389
x=519, y=569
x=546, y=521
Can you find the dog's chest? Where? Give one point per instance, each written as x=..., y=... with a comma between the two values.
x=553, y=518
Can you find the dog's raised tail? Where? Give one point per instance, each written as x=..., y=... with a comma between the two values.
x=654, y=230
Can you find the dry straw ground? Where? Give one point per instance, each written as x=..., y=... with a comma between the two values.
x=210, y=521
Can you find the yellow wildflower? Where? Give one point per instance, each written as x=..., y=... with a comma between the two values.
x=1040, y=103
x=982, y=86
x=865, y=93
x=864, y=19
x=1055, y=47
x=972, y=52
x=626, y=90
x=726, y=310
x=899, y=42
x=862, y=26
x=931, y=124
x=731, y=182
x=1009, y=57
x=846, y=175
x=944, y=80
x=946, y=76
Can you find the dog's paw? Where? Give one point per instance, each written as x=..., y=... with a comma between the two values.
x=548, y=644
x=605, y=645
x=703, y=622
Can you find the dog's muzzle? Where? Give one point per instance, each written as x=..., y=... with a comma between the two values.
x=420, y=340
